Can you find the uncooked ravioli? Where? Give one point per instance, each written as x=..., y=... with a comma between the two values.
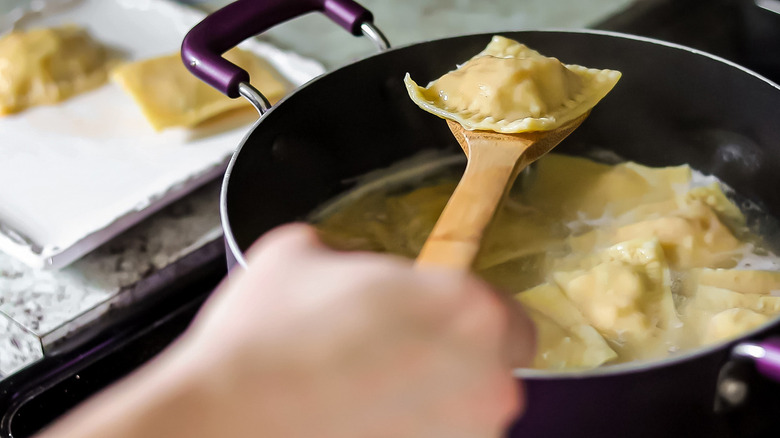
x=169, y=95
x=511, y=88
x=48, y=65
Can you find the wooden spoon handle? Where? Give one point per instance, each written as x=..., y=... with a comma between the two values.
x=455, y=239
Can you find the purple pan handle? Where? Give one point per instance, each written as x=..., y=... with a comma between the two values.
x=765, y=354
x=224, y=29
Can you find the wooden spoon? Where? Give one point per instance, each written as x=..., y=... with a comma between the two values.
x=494, y=161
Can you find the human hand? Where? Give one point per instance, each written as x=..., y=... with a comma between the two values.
x=356, y=344
x=311, y=342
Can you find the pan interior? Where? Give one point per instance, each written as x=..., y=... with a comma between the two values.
x=672, y=106
x=392, y=211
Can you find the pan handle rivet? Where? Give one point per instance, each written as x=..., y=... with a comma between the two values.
x=733, y=391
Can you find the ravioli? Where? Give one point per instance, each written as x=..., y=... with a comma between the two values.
x=579, y=188
x=692, y=238
x=720, y=314
x=564, y=337
x=510, y=88
x=717, y=299
x=169, y=95
x=48, y=65
x=625, y=295
x=712, y=195
x=731, y=323
x=516, y=235
x=738, y=280
x=689, y=231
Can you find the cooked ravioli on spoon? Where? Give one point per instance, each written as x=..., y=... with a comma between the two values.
x=510, y=88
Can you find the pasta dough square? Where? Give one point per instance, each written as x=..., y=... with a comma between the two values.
x=169, y=95
x=48, y=65
x=625, y=293
x=564, y=337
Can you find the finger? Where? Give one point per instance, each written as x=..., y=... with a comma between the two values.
x=519, y=347
x=288, y=238
x=286, y=245
x=511, y=333
x=520, y=341
x=516, y=330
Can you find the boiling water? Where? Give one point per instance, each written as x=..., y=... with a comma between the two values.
x=373, y=192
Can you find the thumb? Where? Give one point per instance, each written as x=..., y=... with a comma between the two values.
x=289, y=241
x=520, y=345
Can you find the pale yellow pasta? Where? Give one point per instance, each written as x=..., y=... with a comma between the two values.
x=510, y=88
x=565, y=339
x=731, y=323
x=614, y=263
x=626, y=296
x=169, y=95
x=48, y=65
x=738, y=280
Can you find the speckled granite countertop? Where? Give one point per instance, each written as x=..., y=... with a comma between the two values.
x=410, y=21
x=38, y=308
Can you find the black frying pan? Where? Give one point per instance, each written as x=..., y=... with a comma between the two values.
x=673, y=105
